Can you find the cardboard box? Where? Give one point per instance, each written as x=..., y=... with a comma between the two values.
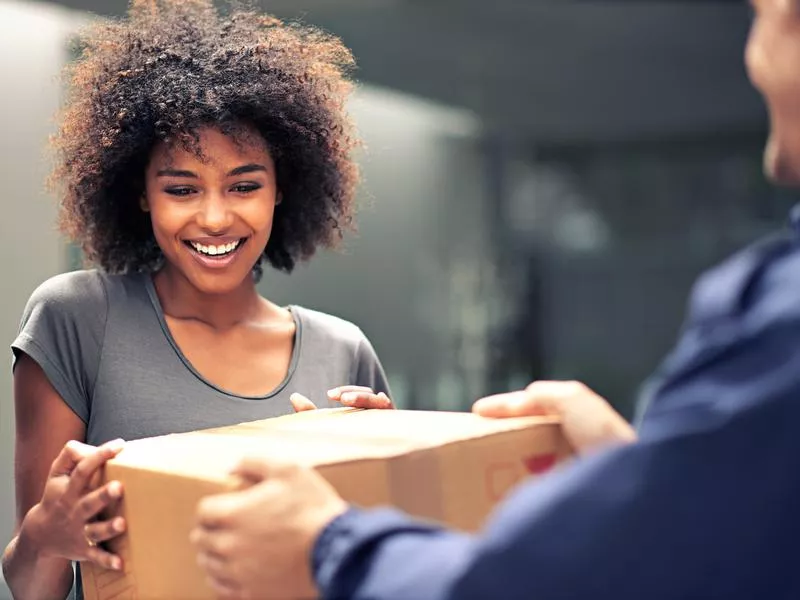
x=449, y=467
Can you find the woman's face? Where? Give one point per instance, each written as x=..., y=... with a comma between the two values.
x=212, y=214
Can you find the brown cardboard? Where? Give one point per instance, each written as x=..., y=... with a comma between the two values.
x=448, y=467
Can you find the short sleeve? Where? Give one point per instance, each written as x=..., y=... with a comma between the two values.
x=367, y=368
x=62, y=329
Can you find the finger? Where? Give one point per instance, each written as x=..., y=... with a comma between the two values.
x=256, y=469
x=365, y=400
x=336, y=393
x=104, y=559
x=513, y=404
x=82, y=474
x=219, y=511
x=93, y=503
x=214, y=542
x=386, y=400
x=71, y=454
x=213, y=565
x=300, y=403
x=102, y=531
x=224, y=589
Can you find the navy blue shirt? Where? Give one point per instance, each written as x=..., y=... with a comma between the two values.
x=705, y=505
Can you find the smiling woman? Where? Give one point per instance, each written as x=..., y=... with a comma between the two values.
x=193, y=149
x=212, y=217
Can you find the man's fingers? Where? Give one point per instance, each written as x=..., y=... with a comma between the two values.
x=213, y=542
x=224, y=589
x=300, y=403
x=210, y=543
x=256, y=469
x=214, y=565
x=513, y=404
x=214, y=512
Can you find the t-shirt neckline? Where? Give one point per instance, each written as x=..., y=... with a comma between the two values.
x=298, y=342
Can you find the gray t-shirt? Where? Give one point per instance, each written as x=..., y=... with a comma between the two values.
x=104, y=345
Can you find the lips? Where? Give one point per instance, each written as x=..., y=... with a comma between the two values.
x=215, y=253
x=216, y=247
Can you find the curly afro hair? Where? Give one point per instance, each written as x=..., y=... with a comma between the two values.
x=174, y=66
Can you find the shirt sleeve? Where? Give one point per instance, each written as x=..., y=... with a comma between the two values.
x=367, y=368
x=703, y=506
x=62, y=329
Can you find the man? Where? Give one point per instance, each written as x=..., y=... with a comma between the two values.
x=703, y=505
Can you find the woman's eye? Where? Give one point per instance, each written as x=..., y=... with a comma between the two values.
x=179, y=191
x=245, y=188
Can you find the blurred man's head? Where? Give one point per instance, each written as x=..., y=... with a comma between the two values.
x=773, y=63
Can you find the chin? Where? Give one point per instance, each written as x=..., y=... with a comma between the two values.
x=216, y=284
x=780, y=166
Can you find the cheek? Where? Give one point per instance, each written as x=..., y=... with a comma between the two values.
x=260, y=215
x=166, y=222
x=754, y=58
x=772, y=57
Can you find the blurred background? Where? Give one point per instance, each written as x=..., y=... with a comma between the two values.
x=543, y=182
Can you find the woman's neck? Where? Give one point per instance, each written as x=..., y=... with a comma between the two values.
x=182, y=300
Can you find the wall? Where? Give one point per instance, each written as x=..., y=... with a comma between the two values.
x=32, y=51
x=421, y=180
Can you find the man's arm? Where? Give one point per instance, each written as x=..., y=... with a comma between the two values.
x=703, y=504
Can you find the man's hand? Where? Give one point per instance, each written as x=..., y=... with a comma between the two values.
x=588, y=420
x=257, y=543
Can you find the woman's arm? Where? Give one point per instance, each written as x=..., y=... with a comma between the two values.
x=52, y=475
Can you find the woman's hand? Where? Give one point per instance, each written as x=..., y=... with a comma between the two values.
x=64, y=523
x=356, y=396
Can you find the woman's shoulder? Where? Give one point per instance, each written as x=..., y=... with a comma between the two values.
x=76, y=293
x=70, y=290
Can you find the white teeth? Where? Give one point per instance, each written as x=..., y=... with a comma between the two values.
x=215, y=250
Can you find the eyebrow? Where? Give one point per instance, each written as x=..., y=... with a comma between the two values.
x=251, y=168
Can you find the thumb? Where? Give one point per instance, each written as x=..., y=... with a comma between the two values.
x=513, y=404
x=251, y=470
x=300, y=403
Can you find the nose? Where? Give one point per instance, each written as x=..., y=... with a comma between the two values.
x=215, y=215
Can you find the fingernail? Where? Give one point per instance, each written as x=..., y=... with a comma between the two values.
x=115, y=489
x=348, y=398
x=333, y=393
x=118, y=524
x=115, y=445
x=116, y=564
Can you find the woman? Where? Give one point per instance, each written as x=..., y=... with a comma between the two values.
x=193, y=148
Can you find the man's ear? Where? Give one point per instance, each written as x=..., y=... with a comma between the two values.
x=278, y=198
x=143, y=203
